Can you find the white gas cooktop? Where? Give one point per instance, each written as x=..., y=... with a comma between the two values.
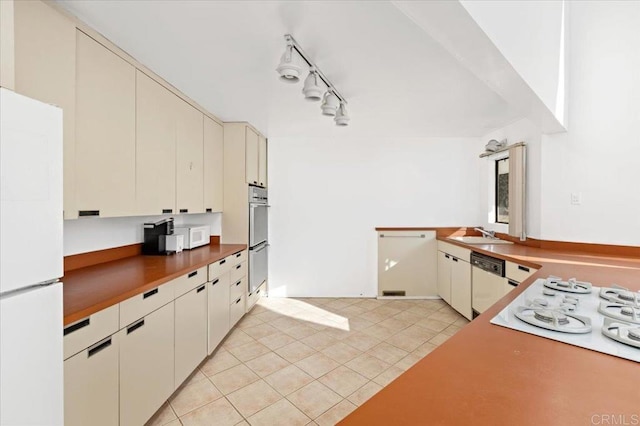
x=604, y=319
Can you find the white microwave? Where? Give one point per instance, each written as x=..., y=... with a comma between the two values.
x=194, y=235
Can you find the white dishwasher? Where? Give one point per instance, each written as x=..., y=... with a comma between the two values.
x=487, y=282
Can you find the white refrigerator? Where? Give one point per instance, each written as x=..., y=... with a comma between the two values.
x=31, y=262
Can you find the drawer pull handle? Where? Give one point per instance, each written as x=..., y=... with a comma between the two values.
x=200, y=289
x=98, y=347
x=238, y=283
x=184, y=210
x=238, y=301
x=209, y=210
x=223, y=261
x=135, y=326
x=239, y=254
x=447, y=256
x=513, y=283
x=77, y=326
x=150, y=293
x=258, y=291
x=239, y=266
x=523, y=268
x=193, y=274
x=455, y=259
x=85, y=213
x=216, y=281
x=164, y=211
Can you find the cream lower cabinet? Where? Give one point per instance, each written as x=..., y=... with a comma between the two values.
x=407, y=263
x=461, y=287
x=509, y=285
x=218, y=313
x=454, y=277
x=488, y=288
x=91, y=385
x=146, y=365
x=190, y=332
x=252, y=298
x=444, y=276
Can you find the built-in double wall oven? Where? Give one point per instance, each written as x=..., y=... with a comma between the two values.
x=258, y=237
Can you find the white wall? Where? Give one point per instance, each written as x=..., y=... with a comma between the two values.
x=599, y=156
x=530, y=36
x=89, y=234
x=327, y=196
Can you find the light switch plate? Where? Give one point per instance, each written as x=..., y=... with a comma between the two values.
x=576, y=198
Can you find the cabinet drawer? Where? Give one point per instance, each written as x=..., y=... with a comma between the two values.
x=253, y=298
x=517, y=272
x=236, y=289
x=236, y=258
x=84, y=333
x=219, y=268
x=236, y=311
x=91, y=385
x=453, y=250
x=138, y=306
x=238, y=271
x=188, y=282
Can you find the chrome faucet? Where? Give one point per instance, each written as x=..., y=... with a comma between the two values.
x=488, y=234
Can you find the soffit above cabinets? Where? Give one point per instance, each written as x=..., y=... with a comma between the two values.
x=400, y=80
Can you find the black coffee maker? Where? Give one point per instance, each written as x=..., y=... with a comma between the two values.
x=155, y=237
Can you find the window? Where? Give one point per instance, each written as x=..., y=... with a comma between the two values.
x=502, y=190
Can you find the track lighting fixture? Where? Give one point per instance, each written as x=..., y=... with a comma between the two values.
x=289, y=69
x=330, y=104
x=342, y=118
x=312, y=90
x=333, y=103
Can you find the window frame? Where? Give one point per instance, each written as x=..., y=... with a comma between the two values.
x=492, y=224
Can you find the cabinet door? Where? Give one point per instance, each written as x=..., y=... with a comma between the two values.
x=190, y=150
x=262, y=161
x=105, y=130
x=155, y=148
x=461, y=287
x=252, y=156
x=213, y=165
x=91, y=385
x=191, y=332
x=45, y=69
x=509, y=285
x=218, y=295
x=444, y=276
x=146, y=365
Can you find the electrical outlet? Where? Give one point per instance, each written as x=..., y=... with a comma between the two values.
x=576, y=198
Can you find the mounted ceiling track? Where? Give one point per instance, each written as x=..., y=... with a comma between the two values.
x=333, y=103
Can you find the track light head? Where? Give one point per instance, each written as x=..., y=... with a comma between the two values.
x=342, y=118
x=289, y=69
x=330, y=103
x=312, y=90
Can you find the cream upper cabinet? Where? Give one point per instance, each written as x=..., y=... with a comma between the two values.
x=262, y=161
x=252, y=156
x=189, y=164
x=213, y=165
x=45, y=69
x=105, y=131
x=155, y=147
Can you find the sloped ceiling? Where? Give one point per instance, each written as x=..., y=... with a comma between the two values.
x=398, y=80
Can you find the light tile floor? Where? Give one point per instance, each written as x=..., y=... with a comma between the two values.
x=308, y=361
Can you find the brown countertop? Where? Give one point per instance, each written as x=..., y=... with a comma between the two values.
x=491, y=375
x=93, y=288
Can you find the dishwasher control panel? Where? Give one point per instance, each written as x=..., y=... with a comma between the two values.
x=488, y=263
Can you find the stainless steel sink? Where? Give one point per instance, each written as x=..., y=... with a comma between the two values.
x=479, y=240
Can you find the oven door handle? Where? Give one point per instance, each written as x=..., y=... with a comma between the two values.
x=254, y=205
